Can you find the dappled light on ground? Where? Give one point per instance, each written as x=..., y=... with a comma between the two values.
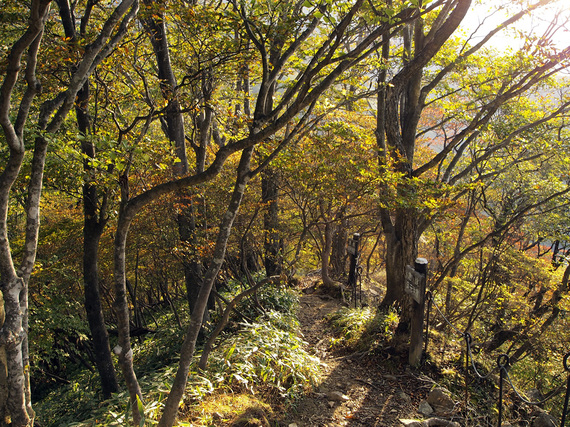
x=356, y=389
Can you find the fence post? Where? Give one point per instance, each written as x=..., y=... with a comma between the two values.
x=416, y=287
x=503, y=363
x=565, y=410
x=429, y=296
x=353, y=250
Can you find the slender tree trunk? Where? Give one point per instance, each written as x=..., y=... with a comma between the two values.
x=189, y=345
x=325, y=214
x=124, y=349
x=456, y=255
x=338, y=253
x=209, y=345
x=326, y=255
x=272, y=244
x=191, y=220
x=173, y=126
x=93, y=306
x=553, y=303
x=94, y=220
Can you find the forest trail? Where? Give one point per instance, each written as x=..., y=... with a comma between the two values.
x=355, y=389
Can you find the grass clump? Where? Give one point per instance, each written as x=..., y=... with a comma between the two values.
x=267, y=353
x=361, y=329
x=231, y=409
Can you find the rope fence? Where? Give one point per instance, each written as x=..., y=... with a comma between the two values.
x=503, y=364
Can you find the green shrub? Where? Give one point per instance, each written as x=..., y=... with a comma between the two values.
x=360, y=329
x=267, y=352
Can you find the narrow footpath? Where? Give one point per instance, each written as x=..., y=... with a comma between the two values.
x=355, y=389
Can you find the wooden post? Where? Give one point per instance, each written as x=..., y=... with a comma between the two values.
x=416, y=287
x=353, y=250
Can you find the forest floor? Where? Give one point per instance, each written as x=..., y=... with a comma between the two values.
x=356, y=389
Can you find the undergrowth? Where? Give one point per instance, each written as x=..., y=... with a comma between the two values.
x=362, y=329
x=265, y=354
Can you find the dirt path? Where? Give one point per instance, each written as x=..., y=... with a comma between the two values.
x=356, y=390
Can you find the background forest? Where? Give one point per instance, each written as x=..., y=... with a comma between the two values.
x=173, y=170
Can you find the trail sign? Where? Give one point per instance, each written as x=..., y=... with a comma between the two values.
x=415, y=284
x=352, y=248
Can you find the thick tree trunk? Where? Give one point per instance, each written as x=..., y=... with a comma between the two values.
x=16, y=299
x=401, y=250
x=10, y=286
x=174, y=129
x=3, y=371
x=249, y=255
x=400, y=105
x=193, y=275
x=173, y=124
x=16, y=404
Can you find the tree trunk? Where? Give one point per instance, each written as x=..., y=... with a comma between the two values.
x=94, y=220
x=188, y=225
x=554, y=304
x=173, y=124
x=123, y=348
x=401, y=250
x=173, y=127
x=193, y=274
x=399, y=108
x=338, y=253
x=16, y=404
x=272, y=245
x=188, y=347
x=3, y=371
x=326, y=254
x=93, y=307
x=209, y=345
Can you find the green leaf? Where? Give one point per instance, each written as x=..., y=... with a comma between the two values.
x=140, y=408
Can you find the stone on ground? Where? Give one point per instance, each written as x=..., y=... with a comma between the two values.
x=440, y=400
